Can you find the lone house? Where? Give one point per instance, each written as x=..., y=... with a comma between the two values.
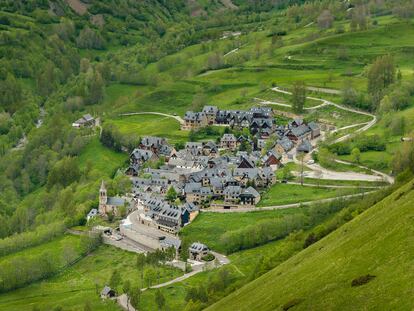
x=197, y=251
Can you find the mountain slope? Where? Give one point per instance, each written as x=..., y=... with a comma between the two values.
x=380, y=242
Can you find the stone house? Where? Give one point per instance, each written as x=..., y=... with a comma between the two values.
x=283, y=145
x=304, y=146
x=315, y=129
x=153, y=143
x=228, y=141
x=249, y=196
x=163, y=215
x=197, y=251
x=140, y=156
x=211, y=114
x=301, y=132
x=232, y=194
x=194, y=120
x=86, y=121
x=272, y=158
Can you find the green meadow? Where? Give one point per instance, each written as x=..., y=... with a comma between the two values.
x=280, y=194
x=81, y=283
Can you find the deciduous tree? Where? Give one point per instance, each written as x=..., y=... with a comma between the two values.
x=298, y=96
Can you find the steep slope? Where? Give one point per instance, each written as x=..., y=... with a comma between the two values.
x=379, y=243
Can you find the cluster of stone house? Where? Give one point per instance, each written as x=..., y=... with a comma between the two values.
x=259, y=120
x=208, y=174
x=199, y=175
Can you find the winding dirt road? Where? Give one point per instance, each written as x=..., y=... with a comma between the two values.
x=328, y=174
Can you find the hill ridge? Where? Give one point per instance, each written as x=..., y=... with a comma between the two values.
x=376, y=243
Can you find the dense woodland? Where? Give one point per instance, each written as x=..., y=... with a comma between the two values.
x=56, y=64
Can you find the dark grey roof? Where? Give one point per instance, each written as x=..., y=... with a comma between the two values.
x=300, y=130
x=192, y=187
x=250, y=191
x=285, y=143
x=194, y=116
x=232, y=190
x=250, y=173
x=106, y=290
x=228, y=138
x=115, y=201
x=313, y=126
x=152, y=141
x=141, y=154
x=210, y=109
x=305, y=146
x=198, y=247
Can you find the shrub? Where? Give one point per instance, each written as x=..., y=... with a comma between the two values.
x=364, y=279
x=208, y=257
x=291, y=303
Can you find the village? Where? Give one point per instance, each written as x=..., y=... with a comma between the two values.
x=170, y=187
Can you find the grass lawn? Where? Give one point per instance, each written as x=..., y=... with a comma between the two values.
x=285, y=98
x=338, y=117
x=152, y=125
x=55, y=246
x=208, y=227
x=242, y=264
x=78, y=284
x=344, y=182
x=103, y=159
x=280, y=194
x=319, y=277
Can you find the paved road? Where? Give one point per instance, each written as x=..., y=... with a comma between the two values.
x=327, y=102
x=197, y=268
x=268, y=102
x=231, y=52
x=349, y=126
x=276, y=207
x=385, y=177
x=324, y=90
x=327, y=174
x=334, y=186
x=178, y=118
x=123, y=301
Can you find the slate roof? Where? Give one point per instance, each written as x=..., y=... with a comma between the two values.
x=152, y=141
x=285, y=143
x=141, y=154
x=313, y=126
x=305, y=146
x=210, y=109
x=300, y=130
x=250, y=191
x=106, y=290
x=194, y=116
x=192, y=187
x=115, y=201
x=250, y=173
x=232, y=190
x=198, y=247
x=228, y=138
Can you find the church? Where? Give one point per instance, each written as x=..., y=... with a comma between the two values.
x=107, y=204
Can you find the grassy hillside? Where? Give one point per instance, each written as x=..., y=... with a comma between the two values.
x=378, y=242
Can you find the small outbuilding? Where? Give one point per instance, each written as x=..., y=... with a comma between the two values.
x=92, y=213
x=107, y=292
x=86, y=121
x=197, y=251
